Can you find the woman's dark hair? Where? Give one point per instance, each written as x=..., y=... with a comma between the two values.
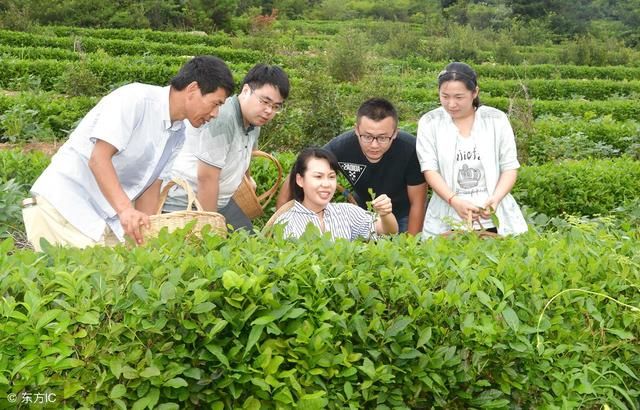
x=263, y=74
x=209, y=72
x=460, y=72
x=300, y=167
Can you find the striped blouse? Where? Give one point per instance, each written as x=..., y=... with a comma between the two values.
x=342, y=220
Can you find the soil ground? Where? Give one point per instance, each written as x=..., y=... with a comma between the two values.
x=48, y=148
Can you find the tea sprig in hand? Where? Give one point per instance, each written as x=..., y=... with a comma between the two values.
x=491, y=213
x=372, y=195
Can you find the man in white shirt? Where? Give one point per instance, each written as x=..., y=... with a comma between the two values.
x=104, y=182
x=215, y=158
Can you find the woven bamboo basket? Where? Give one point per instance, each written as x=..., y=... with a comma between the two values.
x=284, y=208
x=179, y=219
x=347, y=194
x=245, y=197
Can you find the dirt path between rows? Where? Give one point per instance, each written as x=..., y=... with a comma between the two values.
x=48, y=148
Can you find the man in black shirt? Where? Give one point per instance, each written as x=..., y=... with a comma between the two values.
x=376, y=155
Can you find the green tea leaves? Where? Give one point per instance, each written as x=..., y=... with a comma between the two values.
x=511, y=318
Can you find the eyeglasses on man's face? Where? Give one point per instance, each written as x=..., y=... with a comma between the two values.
x=267, y=103
x=380, y=139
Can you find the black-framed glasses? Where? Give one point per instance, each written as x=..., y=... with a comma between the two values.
x=381, y=139
x=267, y=103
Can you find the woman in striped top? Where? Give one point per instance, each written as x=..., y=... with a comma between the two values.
x=313, y=183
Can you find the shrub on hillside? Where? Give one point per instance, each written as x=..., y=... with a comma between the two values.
x=22, y=123
x=347, y=56
x=587, y=50
x=79, y=80
x=312, y=116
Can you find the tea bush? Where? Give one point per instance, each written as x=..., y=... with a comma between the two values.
x=587, y=187
x=266, y=323
x=22, y=167
x=555, y=138
x=618, y=134
x=347, y=57
x=11, y=194
x=117, y=47
x=50, y=112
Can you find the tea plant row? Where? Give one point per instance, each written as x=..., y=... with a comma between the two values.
x=258, y=322
x=126, y=47
x=50, y=64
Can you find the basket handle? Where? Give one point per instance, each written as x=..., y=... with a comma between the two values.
x=266, y=196
x=350, y=198
x=191, y=196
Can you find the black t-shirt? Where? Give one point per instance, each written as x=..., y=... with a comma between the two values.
x=397, y=168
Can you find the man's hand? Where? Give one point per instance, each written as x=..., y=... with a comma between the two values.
x=382, y=205
x=132, y=220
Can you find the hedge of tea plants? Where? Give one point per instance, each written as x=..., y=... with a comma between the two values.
x=538, y=321
x=549, y=319
x=57, y=62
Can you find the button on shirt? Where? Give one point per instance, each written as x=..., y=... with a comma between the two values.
x=223, y=143
x=135, y=119
x=342, y=220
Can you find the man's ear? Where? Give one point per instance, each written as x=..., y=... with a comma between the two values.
x=193, y=85
x=192, y=89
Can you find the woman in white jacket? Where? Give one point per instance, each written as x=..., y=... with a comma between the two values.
x=467, y=152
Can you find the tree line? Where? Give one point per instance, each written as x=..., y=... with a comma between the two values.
x=564, y=18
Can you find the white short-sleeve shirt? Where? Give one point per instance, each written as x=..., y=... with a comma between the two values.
x=135, y=119
x=223, y=143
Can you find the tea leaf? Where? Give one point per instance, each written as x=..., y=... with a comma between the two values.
x=368, y=368
x=622, y=334
x=425, y=336
x=176, y=382
x=254, y=335
x=168, y=406
x=150, y=371
x=89, y=318
x=625, y=369
x=140, y=291
x=398, y=326
x=119, y=390
x=231, y=280
x=203, y=308
x=167, y=292
x=511, y=318
x=484, y=298
x=217, y=352
x=348, y=390
x=47, y=317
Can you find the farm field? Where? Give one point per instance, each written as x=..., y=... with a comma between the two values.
x=549, y=319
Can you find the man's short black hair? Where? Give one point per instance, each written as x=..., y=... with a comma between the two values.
x=209, y=72
x=262, y=74
x=377, y=109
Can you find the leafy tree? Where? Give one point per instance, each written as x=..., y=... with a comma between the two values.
x=218, y=11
